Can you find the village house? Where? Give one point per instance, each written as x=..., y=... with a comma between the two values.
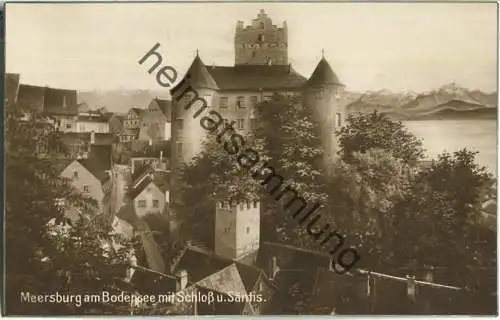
x=59, y=104
x=91, y=175
x=156, y=121
x=150, y=192
x=131, y=125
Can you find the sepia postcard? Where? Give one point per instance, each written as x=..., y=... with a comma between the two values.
x=251, y=158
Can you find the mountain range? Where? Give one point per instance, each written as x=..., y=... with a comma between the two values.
x=447, y=102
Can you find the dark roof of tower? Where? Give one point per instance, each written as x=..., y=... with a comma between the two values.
x=323, y=74
x=256, y=77
x=199, y=75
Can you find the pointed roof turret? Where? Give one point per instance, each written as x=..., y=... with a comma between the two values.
x=323, y=74
x=199, y=77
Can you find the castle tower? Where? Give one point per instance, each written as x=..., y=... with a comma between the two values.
x=261, y=43
x=324, y=93
x=237, y=229
x=191, y=99
x=193, y=96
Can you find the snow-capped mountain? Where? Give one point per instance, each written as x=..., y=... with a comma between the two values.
x=448, y=100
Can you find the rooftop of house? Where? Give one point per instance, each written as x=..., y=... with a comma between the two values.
x=166, y=107
x=304, y=283
x=98, y=162
x=51, y=101
x=148, y=176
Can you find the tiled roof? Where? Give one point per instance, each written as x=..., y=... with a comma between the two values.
x=60, y=102
x=199, y=264
x=227, y=280
x=256, y=77
x=140, y=187
x=166, y=107
x=48, y=100
x=138, y=111
x=323, y=74
x=31, y=98
x=98, y=161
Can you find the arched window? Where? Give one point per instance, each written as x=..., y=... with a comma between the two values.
x=260, y=37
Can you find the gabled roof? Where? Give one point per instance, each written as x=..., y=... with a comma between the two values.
x=165, y=107
x=227, y=280
x=138, y=111
x=322, y=75
x=98, y=161
x=31, y=98
x=51, y=101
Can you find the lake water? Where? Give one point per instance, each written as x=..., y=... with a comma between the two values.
x=452, y=135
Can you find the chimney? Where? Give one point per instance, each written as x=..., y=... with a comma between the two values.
x=182, y=280
x=92, y=137
x=273, y=268
x=161, y=156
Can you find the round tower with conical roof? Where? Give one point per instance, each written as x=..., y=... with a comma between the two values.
x=191, y=98
x=324, y=94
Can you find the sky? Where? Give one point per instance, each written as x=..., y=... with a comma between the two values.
x=370, y=46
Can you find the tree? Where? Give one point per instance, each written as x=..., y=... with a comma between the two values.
x=367, y=131
x=362, y=195
x=45, y=253
x=289, y=139
x=436, y=220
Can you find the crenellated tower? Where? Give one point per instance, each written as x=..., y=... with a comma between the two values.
x=237, y=228
x=261, y=43
x=324, y=94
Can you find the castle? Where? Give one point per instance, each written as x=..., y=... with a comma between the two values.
x=261, y=69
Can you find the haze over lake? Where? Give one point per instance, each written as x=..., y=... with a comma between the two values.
x=453, y=135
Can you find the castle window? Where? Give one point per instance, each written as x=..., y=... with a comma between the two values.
x=223, y=102
x=156, y=204
x=179, y=147
x=248, y=230
x=338, y=120
x=261, y=37
x=262, y=25
x=240, y=124
x=86, y=188
x=75, y=174
x=240, y=102
x=180, y=124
